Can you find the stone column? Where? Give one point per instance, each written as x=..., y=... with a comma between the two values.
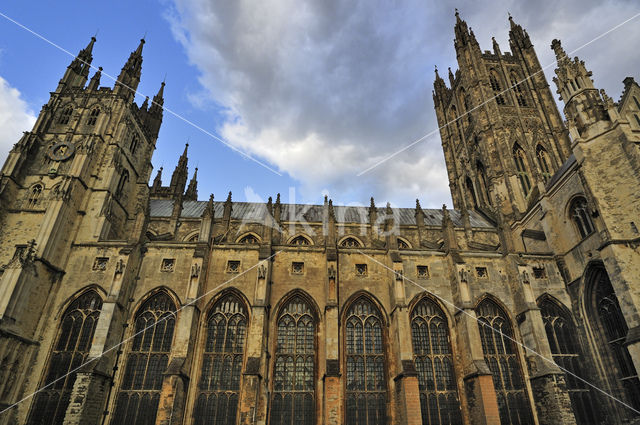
x=407, y=391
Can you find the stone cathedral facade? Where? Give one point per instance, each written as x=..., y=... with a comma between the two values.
x=125, y=303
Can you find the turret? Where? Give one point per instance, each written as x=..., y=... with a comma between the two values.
x=192, y=190
x=180, y=174
x=584, y=105
x=94, y=84
x=154, y=118
x=78, y=71
x=129, y=77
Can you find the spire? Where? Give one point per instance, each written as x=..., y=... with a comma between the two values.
x=452, y=78
x=463, y=37
x=154, y=118
x=145, y=104
x=496, y=47
x=158, y=101
x=129, y=77
x=208, y=211
x=180, y=174
x=94, y=84
x=517, y=35
x=157, y=182
x=192, y=191
x=78, y=71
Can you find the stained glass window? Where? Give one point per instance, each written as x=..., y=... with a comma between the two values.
x=70, y=350
x=366, y=388
x=293, y=396
x=566, y=351
x=434, y=362
x=219, y=385
x=137, y=401
x=503, y=360
x=614, y=329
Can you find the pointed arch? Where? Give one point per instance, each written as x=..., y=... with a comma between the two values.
x=139, y=394
x=300, y=239
x=34, y=195
x=494, y=82
x=471, y=192
x=225, y=330
x=503, y=359
x=192, y=237
x=567, y=352
x=293, y=396
x=403, y=243
x=610, y=329
x=433, y=357
x=579, y=214
x=249, y=238
x=122, y=182
x=350, y=241
x=544, y=161
x=520, y=159
x=365, y=361
x=69, y=350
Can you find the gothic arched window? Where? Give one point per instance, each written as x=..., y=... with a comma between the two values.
x=635, y=99
x=249, y=239
x=300, y=240
x=545, y=162
x=566, y=352
x=293, y=396
x=219, y=385
x=484, y=185
x=124, y=178
x=366, y=387
x=502, y=357
x=93, y=116
x=613, y=329
x=34, y=195
x=521, y=166
x=70, y=350
x=137, y=400
x=471, y=192
x=579, y=213
x=350, y=243
x=454, y=118
x=65, y=116
x=434, y=362
x=517, y=88
x=402, y=244
x=494, y=81
x=133, y=146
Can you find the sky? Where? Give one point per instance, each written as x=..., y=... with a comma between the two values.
x=297, y=97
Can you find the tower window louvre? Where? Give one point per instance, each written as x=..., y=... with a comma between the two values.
x=93, y=116
x=219, y=385
x=366, y=388
x=637, y=102
x=495, y=86
x=545, y=162
x=293, y=396
x=34, y=195
x=65, y=116
x=517, y=88
x=70, y=349
x=433, y=358
x=521, y=167
x=637, y=118
x=134, y=144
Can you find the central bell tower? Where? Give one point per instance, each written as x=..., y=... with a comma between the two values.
x=502, y=135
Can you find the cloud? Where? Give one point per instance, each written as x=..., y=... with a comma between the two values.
x=324, y=90
x=15, y=117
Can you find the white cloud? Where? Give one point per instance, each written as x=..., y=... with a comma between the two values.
x=325, y=89
x=15, y=118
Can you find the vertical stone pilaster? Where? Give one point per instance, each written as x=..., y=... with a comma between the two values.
x=333, y=403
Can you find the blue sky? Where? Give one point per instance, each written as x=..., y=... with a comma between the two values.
x=318, y=91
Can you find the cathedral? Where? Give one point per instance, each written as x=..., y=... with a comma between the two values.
x=124, y=302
